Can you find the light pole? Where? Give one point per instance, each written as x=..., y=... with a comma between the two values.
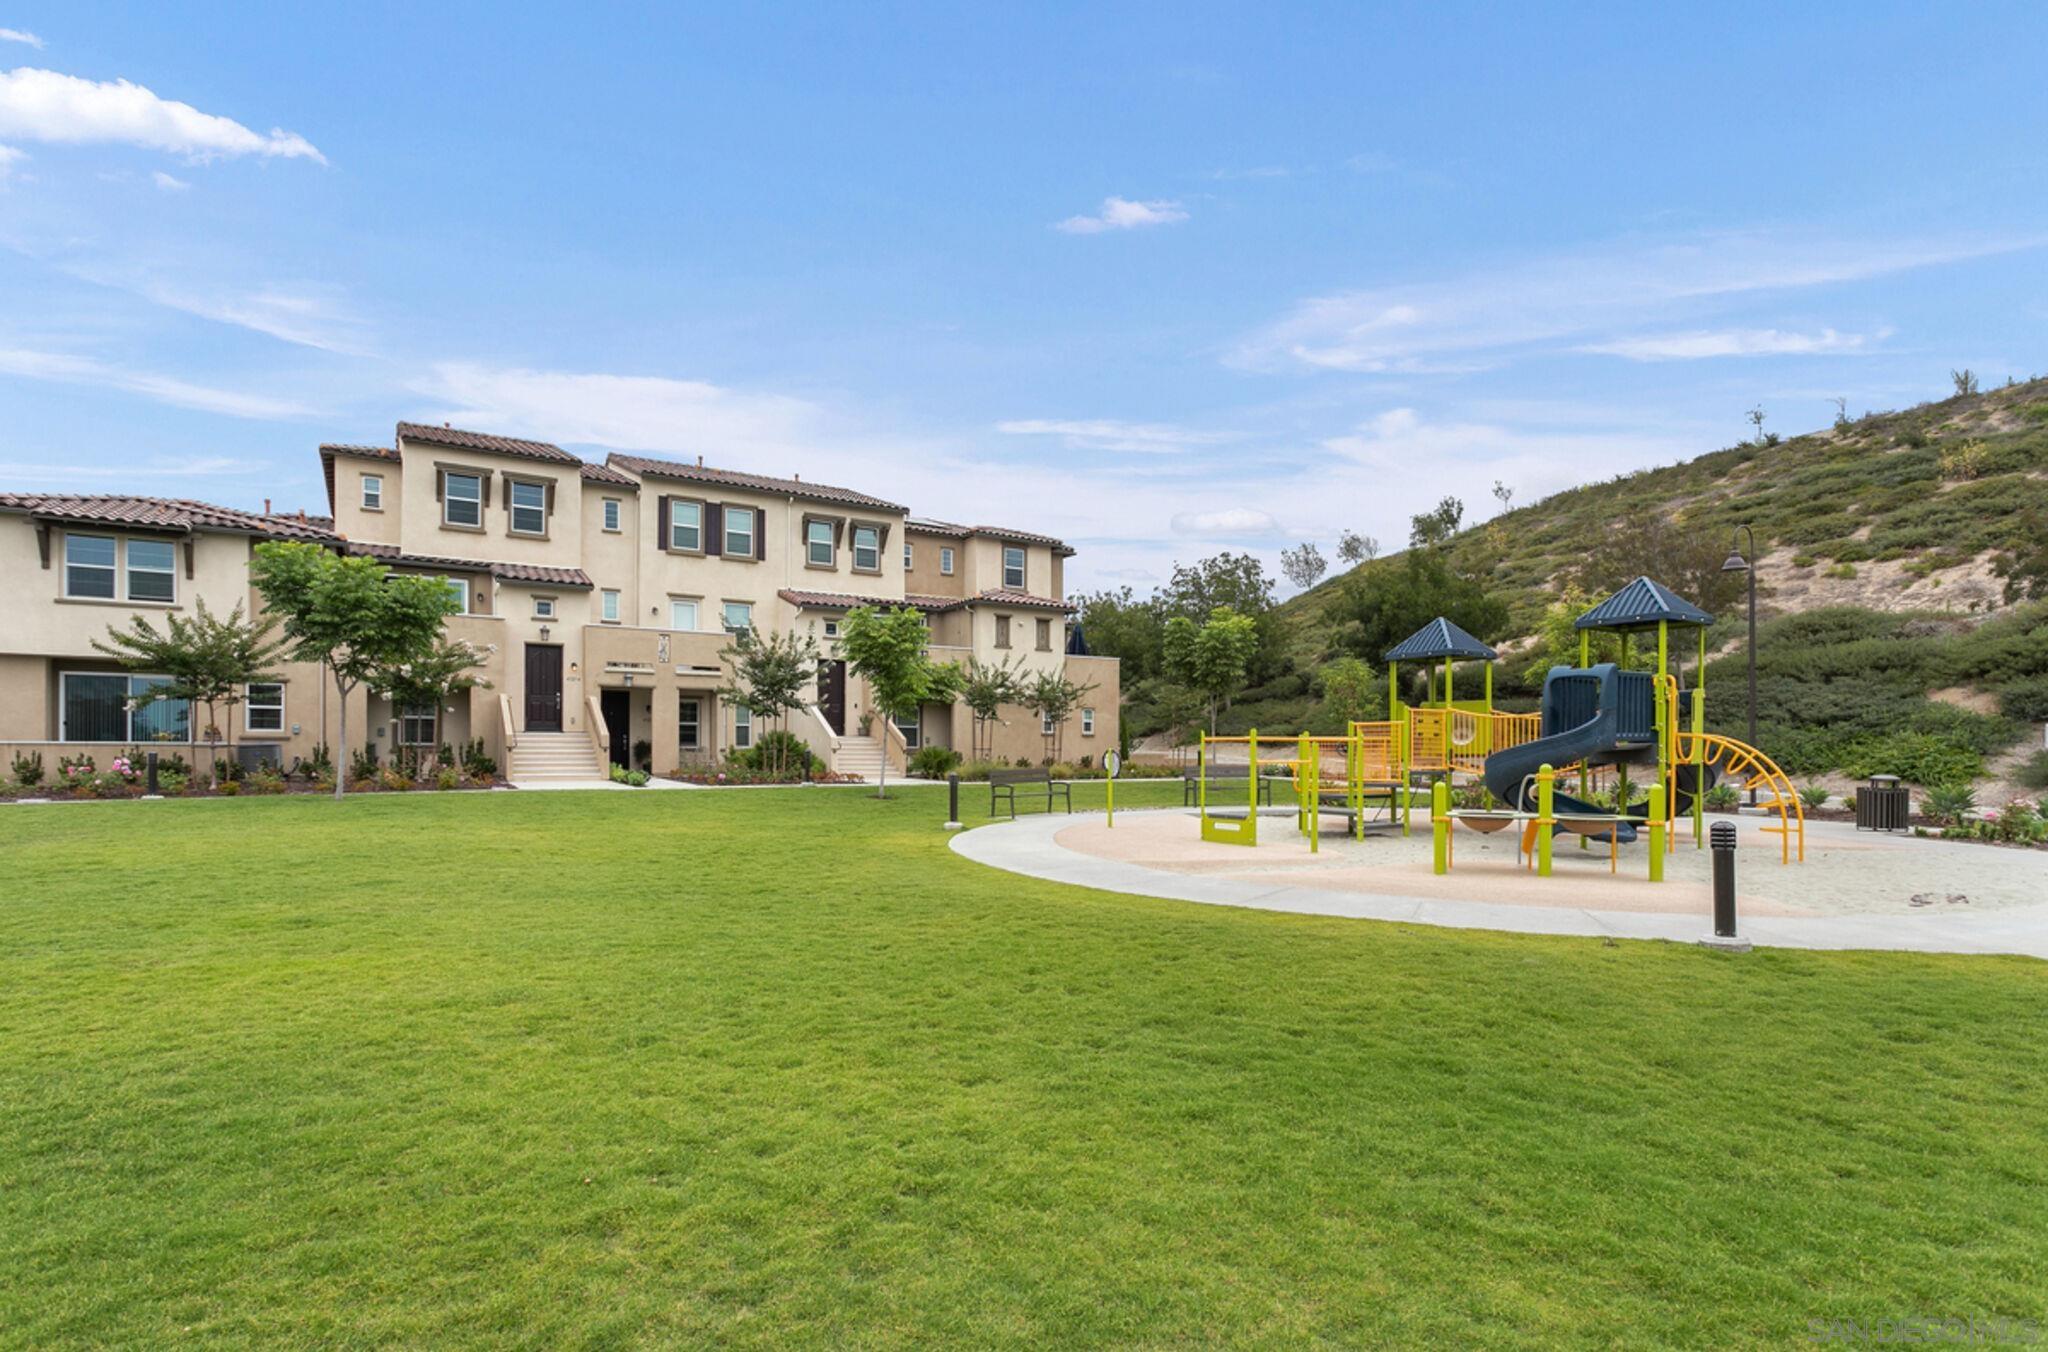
x=1737, y=563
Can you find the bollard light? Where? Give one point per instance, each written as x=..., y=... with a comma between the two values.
x=953, y=802
x=1722, y=839
x=152, y=791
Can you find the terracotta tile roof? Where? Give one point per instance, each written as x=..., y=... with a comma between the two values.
x=504, y=572
x=1003, y=596
x=760, y=483
x=605, y=474
x=816, y=600
x=328, y=448
x=531, y=572
x=458, y=439
x=170, y=514
x=932, y=526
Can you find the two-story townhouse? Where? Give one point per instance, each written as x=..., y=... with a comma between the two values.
x=78, y=565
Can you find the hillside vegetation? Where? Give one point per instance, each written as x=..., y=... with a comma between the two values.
x=1898, y=554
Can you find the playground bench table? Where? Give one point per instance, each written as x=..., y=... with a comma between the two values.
x=1191, y=778
x=1578, y=823
x=1003, y=785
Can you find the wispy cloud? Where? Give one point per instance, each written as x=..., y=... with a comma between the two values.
x=18, y=35
x=1256, y=171
x=1698, y=343
x=1372, y=162
x=67, y=369
x=1119, y=213
x=167, y=183
x=46, y=105
x=1111, y=434
x=1591, y=297
x=1230, y=523
x=9, y=157
x=307, y=314
x=196, y=467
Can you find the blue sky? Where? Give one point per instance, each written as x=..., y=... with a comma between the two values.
x=1161, y=279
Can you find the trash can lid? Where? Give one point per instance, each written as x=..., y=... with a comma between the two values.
x=1884, y=781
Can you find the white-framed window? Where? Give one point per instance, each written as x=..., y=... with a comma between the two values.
x=458, y=587
x=907, y=557
x=1013, y=567
x=689, y=723
x=818, y=547
x=612, y=512
x=152, y=571
x=737, y=615
x=685, y=525
x=529, y=508
x=373, y=492
x=263, y=707
x=608, y=606
x=89, y=565
x=912, y=729
x=95, y=706
x=416, y=724
x=946, y=560
x=462, y=499
x=831, y=629
x=1045, y=636
x=867, y=549
x=742, y=726
x=682, y=615
x=1045, y=728
x=739, y=532
x=1087, y=722
x=543, y=607
x=1002, y=631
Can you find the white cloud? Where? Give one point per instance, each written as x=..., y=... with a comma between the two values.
x=652, y=413
x=1226, y=522
x=70, y=471
x=17, y=35
x=1592, y=296
x=9, y=157
x=1256, y=171
x=1120, y=213
x=167, y=183
x=1372, y=162
x=72, y=370
x=46, y=105
x=1699, y=343
x=1111, y=434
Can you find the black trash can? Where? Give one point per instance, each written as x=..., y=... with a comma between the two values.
x=1882, y=805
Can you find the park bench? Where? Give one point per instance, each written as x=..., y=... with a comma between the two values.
x=1003, y=786
x=1190, y=779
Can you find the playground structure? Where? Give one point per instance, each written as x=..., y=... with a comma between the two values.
x=1596, y=723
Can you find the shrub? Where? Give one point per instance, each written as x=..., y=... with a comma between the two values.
x=2025, y=699
x=229, y=788
x=447, y=777
x=2017, y=823
x=1721, y=798
x=1948, y=804
x=28, y=769
x=778, y=746
x=617, y=773
x=1916, y=757
x=475, y=763
x=394, y=779
x=637, y=778
x=170, y=783
x=2033, y=771
x=1814, y=796
x=320, y=765
x=934, y=762
x=266, y=780
x=74, y=770
x=362, y=766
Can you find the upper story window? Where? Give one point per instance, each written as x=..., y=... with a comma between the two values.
x=89, y=566
x=373, y=492
x=685, y=525
x=818, y=545
x=608, y=607
x=1013, y=567
x=682, y=615
x=738, y=616
x=263, y=707
x=867, y=549
x=529, y=508
x=462, y=500
x=612, y=511
x=946, y=560
x=152, y=571
x=1002, y=631
x=543, y=607
x=1045, y=636
x=907, y=564
x=458, y=587
x=1087, y=722
x=739, y=532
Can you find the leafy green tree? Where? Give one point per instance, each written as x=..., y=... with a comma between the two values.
x=985, y=688
x=1238, y=581
x=352, y=615
x=1053, y=698
x=1644, y=542
x=1304, y=564
x=1383, y=605
x=445, y=669
x=1122, y=625
x=886, y=648
x=1352, y=693
x=1429, y=529
x=1355, y=549
x=772, y=674
x=1211, y=659
x=210, y=659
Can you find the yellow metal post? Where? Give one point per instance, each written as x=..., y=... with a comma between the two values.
x=1656, y=833
x=1546, y=787
x=1440, y=825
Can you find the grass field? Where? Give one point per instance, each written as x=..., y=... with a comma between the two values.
x=774, y=1067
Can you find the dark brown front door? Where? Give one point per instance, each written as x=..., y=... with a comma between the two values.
x=617, y=707
x=543, y=687
x=832, y=694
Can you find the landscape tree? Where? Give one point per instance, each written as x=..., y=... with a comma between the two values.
x=210, y=659
x=985, y=687
x=352, y=615
x=1354, y=548
x=1352, y=693
x=1964, y=380
x=1236, y=581
x=1375, y=612
x=1427, y=530
x=1756, y=418
x=1122, y=625
x=445, y=669
x=1303, y=564
x=1643, y=542
x=887, y=649
x=1211, y=659
x=1053, y=698
x=772, y=674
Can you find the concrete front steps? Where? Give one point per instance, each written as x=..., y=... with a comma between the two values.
x=555, y=757
x=858, y=756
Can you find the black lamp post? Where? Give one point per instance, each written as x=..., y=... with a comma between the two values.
x=1738, y=564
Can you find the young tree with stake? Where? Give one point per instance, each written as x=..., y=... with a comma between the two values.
x=210, y=659
x=773, y=673
x=887, y=650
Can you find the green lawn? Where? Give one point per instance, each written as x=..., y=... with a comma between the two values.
x=775, y=1066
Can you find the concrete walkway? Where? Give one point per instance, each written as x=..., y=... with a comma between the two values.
x=1028, y=846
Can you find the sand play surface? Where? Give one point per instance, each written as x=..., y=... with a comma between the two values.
x=1846, y=872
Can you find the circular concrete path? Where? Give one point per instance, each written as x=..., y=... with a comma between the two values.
x=1030, y=846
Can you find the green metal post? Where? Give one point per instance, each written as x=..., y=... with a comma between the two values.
x=1656, y=833
x=1202, y=778
x=1449, y=684
x=1699, y=746
x=1440, y=825
x=1251, y=781
x=1310, y=776
x=1546, y=803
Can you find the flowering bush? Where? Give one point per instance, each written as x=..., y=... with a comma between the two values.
x=2018, y=822
x=74, y=769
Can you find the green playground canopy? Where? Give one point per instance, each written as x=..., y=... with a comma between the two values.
x=1440, y=638
x=1642, y=604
